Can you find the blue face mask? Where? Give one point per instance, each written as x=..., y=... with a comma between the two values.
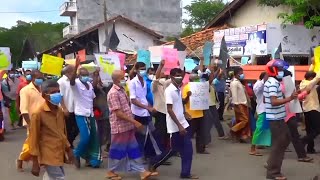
x=28, y=77
x=38, y=82
x=280, y=74
x=84, y=79
x=241, y=76
x=142, y=72
x=55, y=99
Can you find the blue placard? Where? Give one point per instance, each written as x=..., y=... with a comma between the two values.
x=189, y=65
x=30, y=65
x=207, y=51
x=144, y=56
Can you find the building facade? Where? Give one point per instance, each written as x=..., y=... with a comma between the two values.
x=162, y=16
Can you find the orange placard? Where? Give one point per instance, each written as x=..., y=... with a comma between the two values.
x=82, y=55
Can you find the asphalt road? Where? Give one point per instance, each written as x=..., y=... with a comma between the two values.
x=227, y=161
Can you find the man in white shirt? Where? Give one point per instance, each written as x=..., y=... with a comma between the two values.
x=241, y=129
x=67, y=104
x=88, y=147
x=262, y=134
x=141, y=110
x=178, y=127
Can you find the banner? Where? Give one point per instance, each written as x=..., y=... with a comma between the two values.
x=171, y=59
x=189, y=65
x=207, y=51
x=51, y=65
x=121, y=56
x=82, y=55
x=242, y=41
x=30, y=65
x=144, y=56
x=289, y=85
x=317, y=59
x=108, y=63
x=200, y=92
x=5, y=58
x=155, y=54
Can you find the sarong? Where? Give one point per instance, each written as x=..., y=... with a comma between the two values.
x=124, y=154
x=25, y=155
x=89, y=146
x=262, y=135
x=242, y=126
x=14, y=117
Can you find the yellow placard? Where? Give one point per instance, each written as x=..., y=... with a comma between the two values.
x=317, y=59
x=51, y=65
x=5, y=76
x=70, y=61
x=4, y=62
x=107, y=67
x=91, y=67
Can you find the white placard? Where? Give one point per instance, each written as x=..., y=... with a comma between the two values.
x=107, y=63
x=199, y=100
x=182, y=57
x=294, y=105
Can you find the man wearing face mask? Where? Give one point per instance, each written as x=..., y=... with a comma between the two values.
x=9, y=89
x=67, y=103
x=158, y=87
x=142, y=109
x=88, y=147
x=177, y=127
x=30, y=98
x=24, y=81
x=149, y=79
x=48, y=140
x=241, y=129
x=196, y=116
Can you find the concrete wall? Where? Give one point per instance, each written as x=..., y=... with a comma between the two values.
x=142, y=39
x=251, y=14
x=162, y=16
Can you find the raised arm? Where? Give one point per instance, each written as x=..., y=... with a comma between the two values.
x=74, y=74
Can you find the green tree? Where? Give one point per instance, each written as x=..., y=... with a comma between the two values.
x=42, y=35
x=307, y=11
x=200, y=12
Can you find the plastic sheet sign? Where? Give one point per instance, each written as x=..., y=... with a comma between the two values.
x=107, y=63
x=5, y=58
x=51, y=65
x=144, y=56
x=171, y=59
x=317, y=59
x=200, y=92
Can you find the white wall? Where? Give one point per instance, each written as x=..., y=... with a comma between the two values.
x=251, y=13
x=142, y=39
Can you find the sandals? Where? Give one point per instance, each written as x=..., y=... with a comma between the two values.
x=189, y=177
x=149, y=175
x=255, y=154
x=19, y=169
x=113, y=176
x=306, y=159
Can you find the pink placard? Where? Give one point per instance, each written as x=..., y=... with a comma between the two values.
x=122, y=58
x=171, y=59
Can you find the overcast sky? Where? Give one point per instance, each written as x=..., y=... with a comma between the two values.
x=13, y=10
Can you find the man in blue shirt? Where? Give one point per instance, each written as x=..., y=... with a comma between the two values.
x=220, y=86
x=149, y=77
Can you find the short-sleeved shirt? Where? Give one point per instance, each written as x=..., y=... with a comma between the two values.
x=118, y=100
x=30, y=98
x=311, y=102
x=47, y=138
x=212, y=96
x=258, y=88
x=139, y=92
x=238, y=93
x=10, y=88
x=173, y=97
x=158, y=87
x=193, y=113
x=149, y=90
x=83, y=99
x=220, y=85
x=272, y=88
x=67, y=94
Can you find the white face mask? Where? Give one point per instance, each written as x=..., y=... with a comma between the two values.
x=151, y=77
x=123, y=83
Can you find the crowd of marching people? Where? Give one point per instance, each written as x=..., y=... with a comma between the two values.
x=145, y=117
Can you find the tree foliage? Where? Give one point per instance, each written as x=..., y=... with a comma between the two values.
x=307, y=11
x=42, y=36
x=200, y=12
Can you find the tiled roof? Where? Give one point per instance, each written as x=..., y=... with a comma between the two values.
x=196, y=41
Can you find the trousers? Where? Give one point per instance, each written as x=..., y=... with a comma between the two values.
x=295, y=137
x=54, y=173
x=312, y=128
x=181, y=144
x=72, y=128
x=280, y=138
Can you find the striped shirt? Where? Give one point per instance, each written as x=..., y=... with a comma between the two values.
x=272, y=88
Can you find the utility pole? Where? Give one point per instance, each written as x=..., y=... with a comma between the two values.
x=105, y=16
